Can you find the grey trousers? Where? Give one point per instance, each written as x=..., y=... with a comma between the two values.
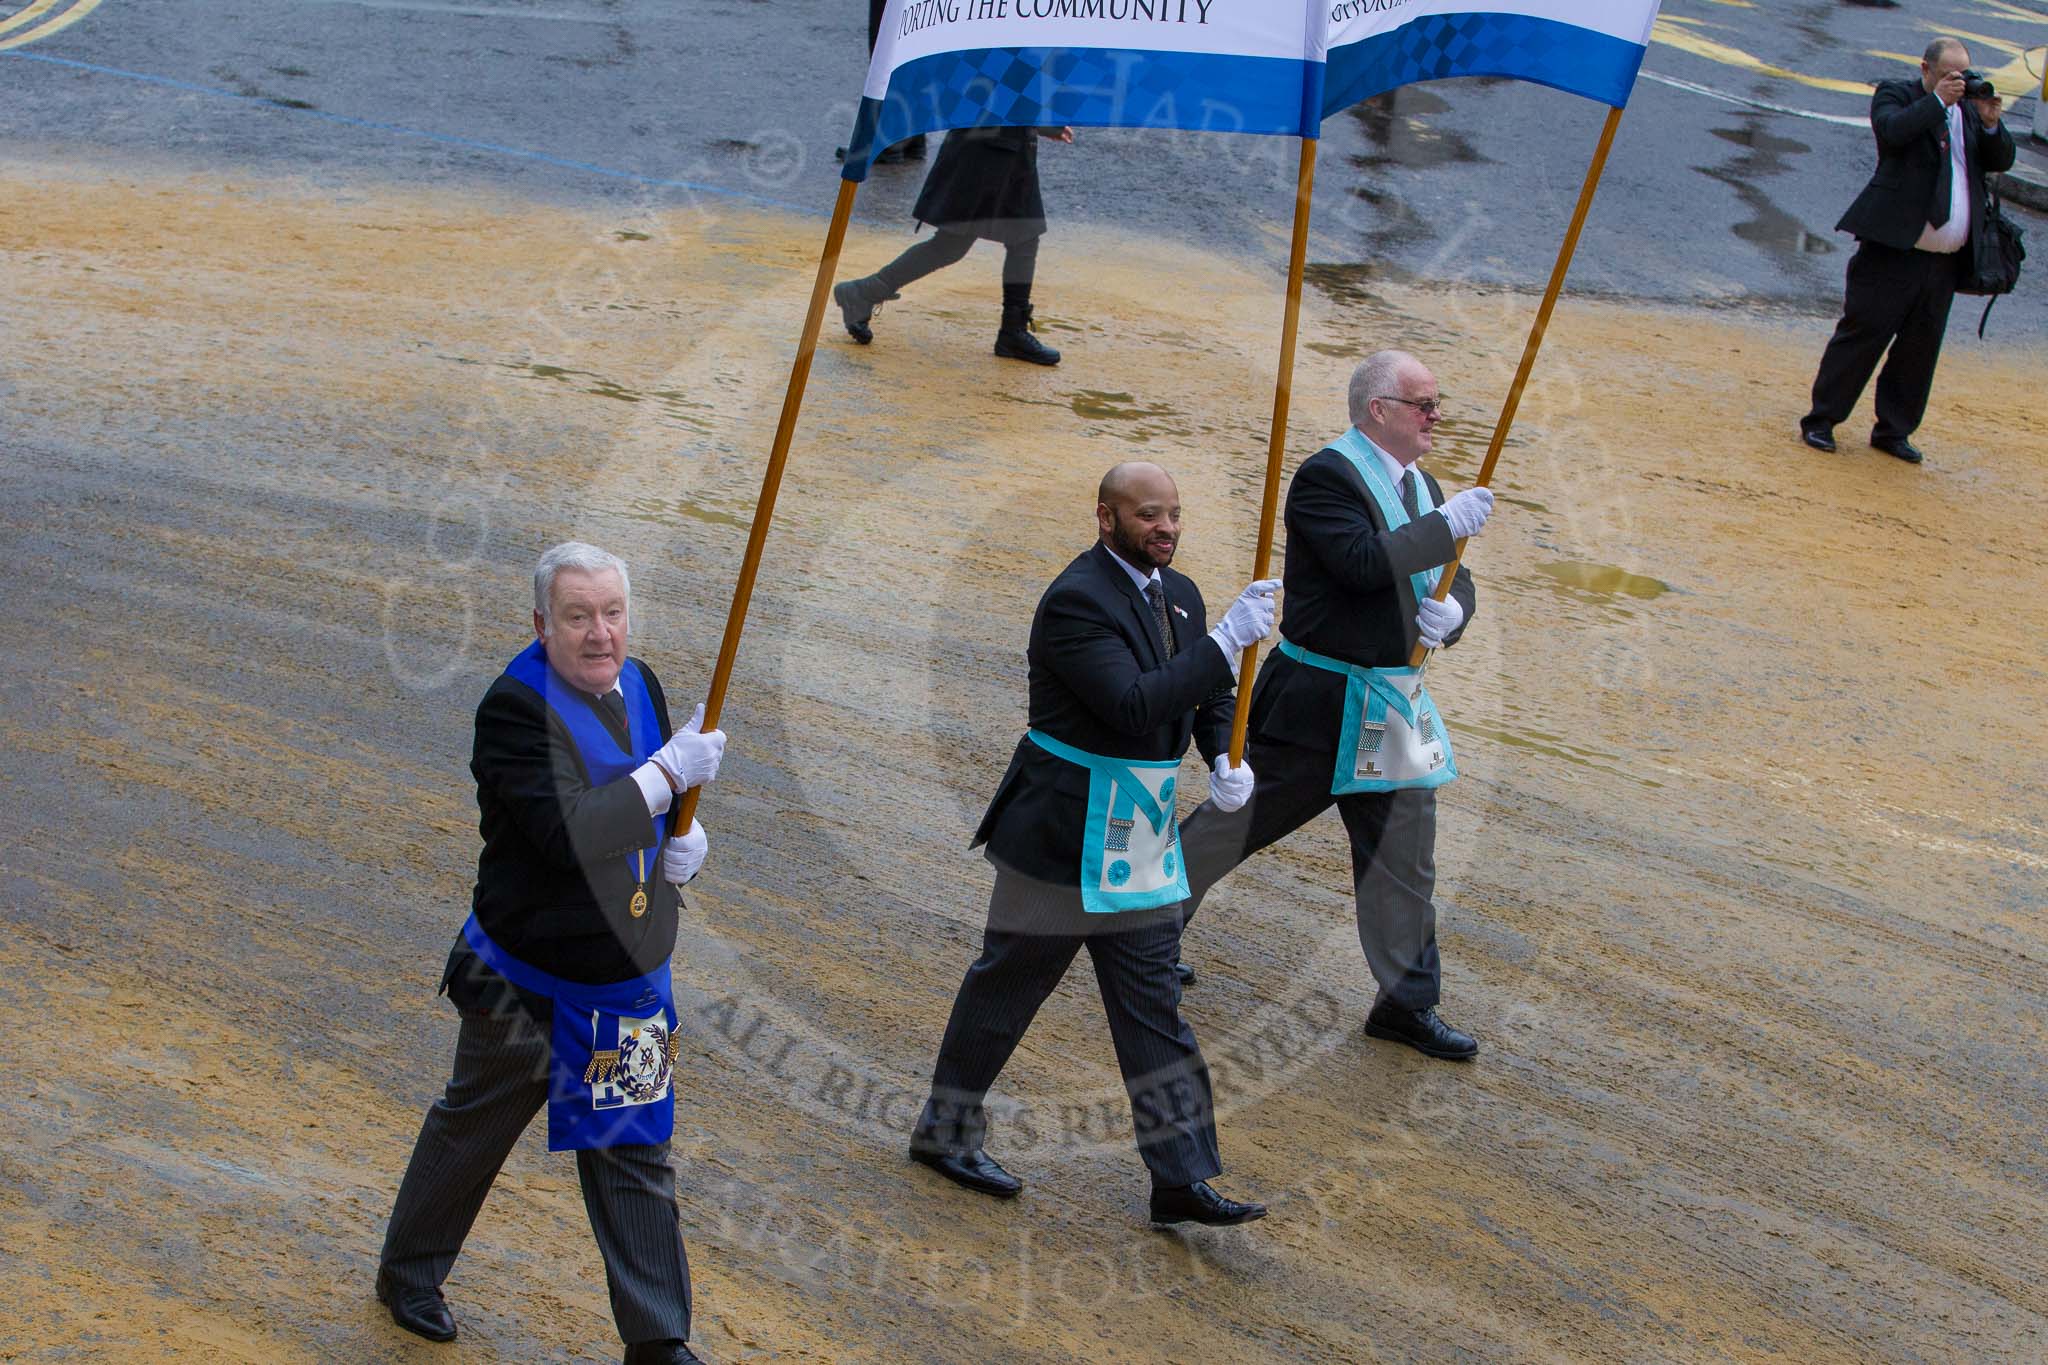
x=499, y=1083
x=1393, y=859
x=1033, y=936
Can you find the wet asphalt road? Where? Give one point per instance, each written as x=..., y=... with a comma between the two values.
x=660, y=103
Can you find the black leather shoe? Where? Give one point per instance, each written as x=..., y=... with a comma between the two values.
x=670, y=1352
x=1197, y=1203
x=1183, y=973
x=975, y=1169
x=421, y=1311
x=1421, y=1030
x=1820, y=438
x=1900, y=447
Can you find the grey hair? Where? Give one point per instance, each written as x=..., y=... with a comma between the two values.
x=1939, y=46
x=1375, y=378
x=574, y=554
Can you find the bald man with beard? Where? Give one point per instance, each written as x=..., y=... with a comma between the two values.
x=1084, y=836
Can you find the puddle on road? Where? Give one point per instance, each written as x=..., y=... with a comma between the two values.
x=1603, y=580
x=1764, y=154
x=664, y=511
x=1344, y=282
x=676, y=406
x=1394, y=123
x=1552, y=746
x=1099, y=406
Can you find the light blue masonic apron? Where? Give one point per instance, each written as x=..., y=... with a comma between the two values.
x=1130, y=849
x=1393, y=736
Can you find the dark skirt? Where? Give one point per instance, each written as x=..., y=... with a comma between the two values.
x=984, y=183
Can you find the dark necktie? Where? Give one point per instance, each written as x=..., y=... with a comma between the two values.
x=612, y=707
x=1408, y=494
x=1157, y=595
x=1944, y=178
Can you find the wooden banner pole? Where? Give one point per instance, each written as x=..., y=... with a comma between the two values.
x=1507, y=412
x=771, y=483
x=1276, y=448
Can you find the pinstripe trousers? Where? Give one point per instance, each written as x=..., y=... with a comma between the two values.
x=1033, y=935
x=499, y=1083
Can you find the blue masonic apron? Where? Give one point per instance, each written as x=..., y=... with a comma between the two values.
x=1130, y=849
x=1393, y=736
x=613, y=1048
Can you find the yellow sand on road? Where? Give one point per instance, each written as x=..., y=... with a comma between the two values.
x=1741, y=887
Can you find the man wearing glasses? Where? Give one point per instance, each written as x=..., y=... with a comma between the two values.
x=1337, y=717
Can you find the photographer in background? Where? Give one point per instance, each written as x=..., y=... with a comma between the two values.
x=1936, y=138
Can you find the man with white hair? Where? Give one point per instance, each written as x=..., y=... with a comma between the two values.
x=1338, y=717
x=561, y=973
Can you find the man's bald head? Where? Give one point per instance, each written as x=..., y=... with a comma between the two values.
x=1137, y=513
x=1130, y=478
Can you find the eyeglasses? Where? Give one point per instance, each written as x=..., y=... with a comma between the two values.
x=1428, y=407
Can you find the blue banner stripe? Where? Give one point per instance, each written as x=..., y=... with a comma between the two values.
x=1036, y=87
x=1562, y=56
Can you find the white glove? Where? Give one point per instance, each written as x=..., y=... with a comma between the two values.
x=1250, y=618
x=1230, y=787
x=692, y=754
x=1468, y=511
x=1437, y=620
x=683, y=855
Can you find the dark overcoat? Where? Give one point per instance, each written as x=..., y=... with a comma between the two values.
x=984, y=182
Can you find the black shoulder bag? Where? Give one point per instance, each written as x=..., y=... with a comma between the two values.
x=1997, y=246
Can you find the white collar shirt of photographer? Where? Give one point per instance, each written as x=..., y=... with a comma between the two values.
x=1953, y=235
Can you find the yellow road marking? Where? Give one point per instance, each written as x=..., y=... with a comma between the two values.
x=2014, y=13
x=57, y=25
x=33, y=12
x=1671, y=31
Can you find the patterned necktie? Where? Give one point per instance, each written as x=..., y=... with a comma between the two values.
x=1157, y=595
x=1408, y=498
x=613, y=707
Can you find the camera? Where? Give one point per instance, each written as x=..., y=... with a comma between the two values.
x=1975, y=87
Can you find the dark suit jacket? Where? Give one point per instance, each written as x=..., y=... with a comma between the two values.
x=1911, y=126
x=1100, y=681
x=1347, y=594
x=556, y=874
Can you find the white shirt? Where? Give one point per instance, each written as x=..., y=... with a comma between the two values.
x=1143, y=580
x=1395, y=469
x=1953, y=235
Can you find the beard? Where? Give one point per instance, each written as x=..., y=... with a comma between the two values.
x=1133, y=550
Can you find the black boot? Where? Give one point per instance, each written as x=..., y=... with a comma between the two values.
x=858, y=300
x=1015, y=341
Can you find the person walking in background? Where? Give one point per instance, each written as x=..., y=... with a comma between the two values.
x=984, y=183
x=1913, y=222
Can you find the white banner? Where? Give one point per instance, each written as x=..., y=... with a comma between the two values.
x=1588, y=47
x=1250, y=66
